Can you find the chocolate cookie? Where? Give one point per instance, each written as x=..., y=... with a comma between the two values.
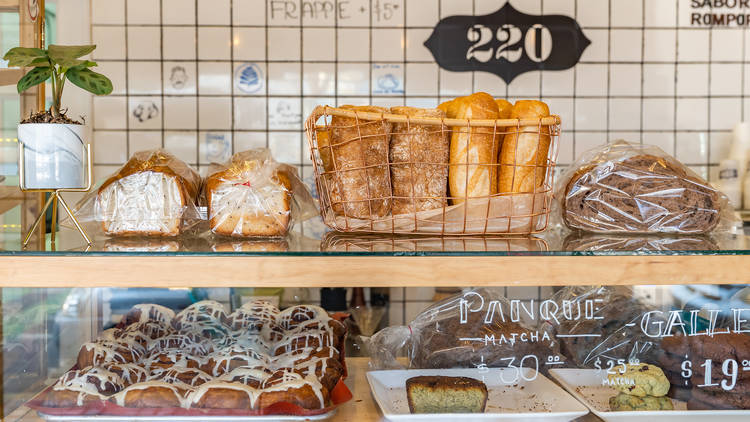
x=742, y=386
x=724, y=400
x=640, y=194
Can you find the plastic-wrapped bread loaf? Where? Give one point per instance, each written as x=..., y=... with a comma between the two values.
x=150, y=196
x=637, y=189
x=523, y=157
x=419, y=162
x=473, y=151
x=355, y=156
x=250, y=197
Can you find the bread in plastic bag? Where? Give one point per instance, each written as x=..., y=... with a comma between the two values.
x=622, y=187
x=153, y=194
x=254, y=196
x=474, y=329
x=600, y=325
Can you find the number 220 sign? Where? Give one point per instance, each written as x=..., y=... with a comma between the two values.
x=507, y=43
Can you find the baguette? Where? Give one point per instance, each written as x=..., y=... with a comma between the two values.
x=523, y=156
x=355, y=156
x=473, y=151
x=419, y=162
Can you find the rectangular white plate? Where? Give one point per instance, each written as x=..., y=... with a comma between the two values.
x=586, y=386
x=520, y=400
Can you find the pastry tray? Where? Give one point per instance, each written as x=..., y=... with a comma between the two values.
x=510, y=397
x=586, y=386
x=53, y=418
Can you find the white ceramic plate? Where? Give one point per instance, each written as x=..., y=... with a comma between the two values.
x=537, y=400
x=586, y=386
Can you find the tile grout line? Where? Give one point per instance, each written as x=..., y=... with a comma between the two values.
x=197, y=94
x=161, y=66
x=676, y=75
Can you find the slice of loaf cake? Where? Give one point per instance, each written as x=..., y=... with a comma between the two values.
x=440, y=394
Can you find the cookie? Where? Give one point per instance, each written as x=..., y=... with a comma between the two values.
x=640, y=380
x=723, y=400
x=627, y=403
x=740, y=387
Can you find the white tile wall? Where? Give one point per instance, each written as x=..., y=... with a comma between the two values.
x=185, y=64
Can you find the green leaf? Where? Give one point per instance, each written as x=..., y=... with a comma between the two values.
x=93, y=82
x=41, y=62
x=69, y=51
x=21, y=57
x=86, y=63
x=36, y=76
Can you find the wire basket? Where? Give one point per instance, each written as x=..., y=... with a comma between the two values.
x=391, y=173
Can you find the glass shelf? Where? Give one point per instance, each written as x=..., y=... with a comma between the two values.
x=315, y=257
x=551, y=243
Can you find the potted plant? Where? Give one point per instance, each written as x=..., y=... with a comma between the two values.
x=54, y=144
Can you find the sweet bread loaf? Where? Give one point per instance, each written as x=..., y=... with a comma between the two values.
x=252, y=197
x=149, y=196
x=419, y=162
x=355, y=157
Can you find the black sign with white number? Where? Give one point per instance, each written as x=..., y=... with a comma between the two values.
x=507, y=43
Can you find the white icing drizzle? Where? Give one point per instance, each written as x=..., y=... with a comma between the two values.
x=172, y=375
x=130, y=372
x=153, y=312
x=81, y=381
x=258, y=349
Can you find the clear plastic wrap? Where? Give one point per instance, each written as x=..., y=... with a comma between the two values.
x=600, y=326
x=254, y=196
x=629, y=188
x=474, y=329
x=153, y=194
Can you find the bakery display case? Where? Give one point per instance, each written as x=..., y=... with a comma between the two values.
x=374, y=210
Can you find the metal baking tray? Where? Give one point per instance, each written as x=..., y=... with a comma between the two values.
x=53, y=418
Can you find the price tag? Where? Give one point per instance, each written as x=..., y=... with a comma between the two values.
x=507, y=43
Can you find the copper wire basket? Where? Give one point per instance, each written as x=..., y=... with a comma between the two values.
x=361, y=180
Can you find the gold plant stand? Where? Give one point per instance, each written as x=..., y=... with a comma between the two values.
x=54, y=198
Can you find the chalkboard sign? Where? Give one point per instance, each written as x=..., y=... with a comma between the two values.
x=507, y=43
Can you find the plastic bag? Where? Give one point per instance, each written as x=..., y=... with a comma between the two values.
x=601, y=326
x=475, y=329
x=153, y=194
x=254, y=196
x=623, y=187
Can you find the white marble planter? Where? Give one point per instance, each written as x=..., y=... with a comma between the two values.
x=54, y=155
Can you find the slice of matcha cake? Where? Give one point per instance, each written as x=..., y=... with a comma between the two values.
x=439, y=394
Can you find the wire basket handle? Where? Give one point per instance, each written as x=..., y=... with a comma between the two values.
x=400, y=118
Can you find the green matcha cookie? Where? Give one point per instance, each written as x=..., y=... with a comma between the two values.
x=626, y=403
x=640, y=380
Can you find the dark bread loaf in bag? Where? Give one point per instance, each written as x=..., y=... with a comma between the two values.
x=639, y=193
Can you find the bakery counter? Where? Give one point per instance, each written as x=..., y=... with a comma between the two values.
x=345, y=260
x=361, y=407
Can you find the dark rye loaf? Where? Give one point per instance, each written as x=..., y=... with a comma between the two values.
x=641, y=194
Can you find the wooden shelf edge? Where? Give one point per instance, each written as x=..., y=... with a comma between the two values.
x=375, y=271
